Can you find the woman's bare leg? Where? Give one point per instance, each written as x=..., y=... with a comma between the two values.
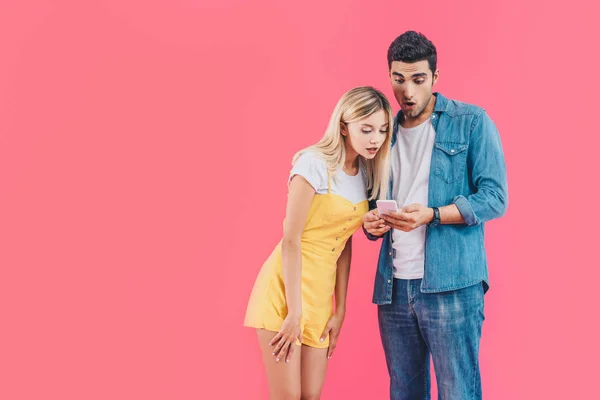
x=313, y=367
x=283, y=378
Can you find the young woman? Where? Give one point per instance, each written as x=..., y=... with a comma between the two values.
x=291, y=305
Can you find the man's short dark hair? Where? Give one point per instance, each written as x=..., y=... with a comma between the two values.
x=411, y=47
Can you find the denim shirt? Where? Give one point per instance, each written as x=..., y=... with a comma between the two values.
x=467, y=169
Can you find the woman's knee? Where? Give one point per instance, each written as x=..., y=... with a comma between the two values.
x=286, y=395
x=311, y=396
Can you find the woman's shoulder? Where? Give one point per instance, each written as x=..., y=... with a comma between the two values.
x=312, y=159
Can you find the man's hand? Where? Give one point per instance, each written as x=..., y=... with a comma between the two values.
x=409, y=218
x=374, y=224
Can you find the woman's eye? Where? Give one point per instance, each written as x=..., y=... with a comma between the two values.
x=365, y=131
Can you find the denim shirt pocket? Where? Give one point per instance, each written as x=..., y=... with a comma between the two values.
x=449, y=161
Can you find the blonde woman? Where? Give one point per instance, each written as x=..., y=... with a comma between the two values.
x=291, y=304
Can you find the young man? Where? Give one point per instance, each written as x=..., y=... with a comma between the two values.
x=449, y=178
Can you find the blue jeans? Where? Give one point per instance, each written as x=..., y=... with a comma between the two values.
x=445, y=325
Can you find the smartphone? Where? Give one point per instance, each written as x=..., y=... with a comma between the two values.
x=385, y=206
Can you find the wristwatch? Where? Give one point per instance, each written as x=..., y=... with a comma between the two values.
x=436, y=217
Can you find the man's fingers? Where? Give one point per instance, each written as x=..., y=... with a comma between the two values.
x=401, y=226
x=411, y=208
x=398, y=215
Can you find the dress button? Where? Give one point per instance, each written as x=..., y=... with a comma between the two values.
x=349, y=219
x=337, y=238
x=332, y=249
x=354, y=208
x=344, y=228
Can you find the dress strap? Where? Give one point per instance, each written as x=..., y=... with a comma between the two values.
x=328, y=182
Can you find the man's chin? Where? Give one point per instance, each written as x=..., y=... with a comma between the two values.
x=413, y=113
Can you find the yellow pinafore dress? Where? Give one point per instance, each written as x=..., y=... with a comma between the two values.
x=332, y=219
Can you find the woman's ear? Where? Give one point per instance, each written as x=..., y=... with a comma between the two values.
x=343, y=129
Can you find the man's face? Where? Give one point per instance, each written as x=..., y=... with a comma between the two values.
x=412, y=84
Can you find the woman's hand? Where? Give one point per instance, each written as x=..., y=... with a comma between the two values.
x=285, y=340
x=374, y=224
x=333, y=328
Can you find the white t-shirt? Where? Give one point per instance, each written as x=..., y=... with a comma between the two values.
x=313, y=168
x=411, y=161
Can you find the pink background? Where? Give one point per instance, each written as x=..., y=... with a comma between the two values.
x=144, y=150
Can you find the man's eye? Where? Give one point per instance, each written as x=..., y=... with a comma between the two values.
x=419, y=81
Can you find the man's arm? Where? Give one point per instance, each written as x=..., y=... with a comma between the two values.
x=488, y=171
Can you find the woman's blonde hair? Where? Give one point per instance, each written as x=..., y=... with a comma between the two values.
x=355, y=105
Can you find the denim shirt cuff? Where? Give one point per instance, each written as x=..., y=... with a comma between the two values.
x=465, y=210
x=369, y=236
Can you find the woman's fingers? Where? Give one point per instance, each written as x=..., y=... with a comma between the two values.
x=282, y=351
x=275, y=339
x=325, y=333
x=291, y=351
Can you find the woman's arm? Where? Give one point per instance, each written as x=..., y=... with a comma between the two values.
x=299, y=199
x=334, y=325
x=341, y=280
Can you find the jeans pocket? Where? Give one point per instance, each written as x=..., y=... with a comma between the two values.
x=449, y=161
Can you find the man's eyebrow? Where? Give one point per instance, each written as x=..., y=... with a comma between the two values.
x=418, y=74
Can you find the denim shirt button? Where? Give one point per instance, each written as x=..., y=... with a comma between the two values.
x=389, y=281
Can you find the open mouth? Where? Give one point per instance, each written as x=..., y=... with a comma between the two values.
x=372, y=150
x=409, y=104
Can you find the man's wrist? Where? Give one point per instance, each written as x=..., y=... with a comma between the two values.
x=436, y=219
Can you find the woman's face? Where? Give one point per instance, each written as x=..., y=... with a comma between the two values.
x=364, y=137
